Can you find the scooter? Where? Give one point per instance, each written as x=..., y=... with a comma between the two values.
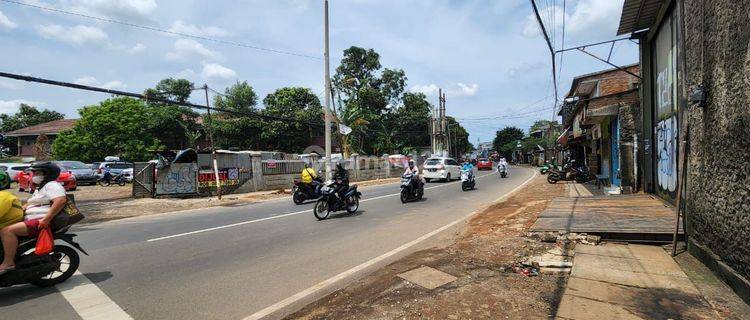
x=543, y=169
x=502, y=170
x=47, y=270
x=107, y=179
x=467, y=180
x=302, y=192
x=411, y=189
x=329, y=201
x=570, y=172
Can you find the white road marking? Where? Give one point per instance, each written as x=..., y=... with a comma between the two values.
x=272, y=309
x=89, y=301
x=283, y=215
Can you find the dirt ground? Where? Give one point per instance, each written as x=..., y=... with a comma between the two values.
x=99, y=203
x=482, y=258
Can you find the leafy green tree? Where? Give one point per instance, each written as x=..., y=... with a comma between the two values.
x=240, y=97
x=459, y=138
x=506, y=139
x=233, y=130
x=113, y=127
x=291, y=102
x=172, y=124
x=411, y=124
x=25, y=116
x=171, y=89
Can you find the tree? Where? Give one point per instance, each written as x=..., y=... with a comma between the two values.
x=171, y=89
x=172, y=124
x=240, y=97
x=410, y=123
x=459, y=138
x=25, y=116
x=291, y=102
x=232, y=130
x=113, y=127
x=506, y=139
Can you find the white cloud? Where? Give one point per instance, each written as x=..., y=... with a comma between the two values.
x=214, y=70
x=185, y=74
x=5, y=23
x=11, y=106
x=589, y=19
x=129, y=10
x=11, y=84
x=184, y=49
x=428, y=89
x=137, y=48
x=524, y=68
x=210, y=31
x=91, y=81
x=457, y=90
x=463, y=90
x=77, y=35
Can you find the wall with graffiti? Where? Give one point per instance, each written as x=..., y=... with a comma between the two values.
x=177, y=178
x=666, y=129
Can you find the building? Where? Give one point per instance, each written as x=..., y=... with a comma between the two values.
x=600, y=115
x=27, y=137
x=695, y=128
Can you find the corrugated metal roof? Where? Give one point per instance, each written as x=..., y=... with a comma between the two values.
x=638, y=15
x=47, y=128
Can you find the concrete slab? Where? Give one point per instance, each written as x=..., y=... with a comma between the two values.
x=427, y=277
x=630, y=282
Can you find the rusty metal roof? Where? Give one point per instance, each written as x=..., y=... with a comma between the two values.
x=47, y=128
x=639, y=15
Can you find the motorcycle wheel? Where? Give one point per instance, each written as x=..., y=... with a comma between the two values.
x=552, y=178
x=69, y=261
x=581, y=178
x=420, y=194
x=104, y=183
x=298, y=197
x=404, y=196
x=464, y=187
x=352, y=204
x=121, y=182
x=321, y=210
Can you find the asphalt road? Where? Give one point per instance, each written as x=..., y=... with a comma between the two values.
x=231, y=262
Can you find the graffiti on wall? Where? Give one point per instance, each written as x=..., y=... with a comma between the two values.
x=178, y=178
x=666, y=135
x=227, y=177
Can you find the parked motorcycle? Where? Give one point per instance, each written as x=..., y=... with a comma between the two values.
x=502, y=170
x=107, y=179
x=329, y=201
x=47, y=270
x=411, y=189
x=570, y=172
x=467, y=180
x=543, y=169
x=302, y=192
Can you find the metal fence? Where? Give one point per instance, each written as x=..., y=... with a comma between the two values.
x=143, y=179
x=272, y=167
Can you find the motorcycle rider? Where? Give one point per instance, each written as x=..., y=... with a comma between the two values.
x=341, y=178
x=46, y=202
x=307, y=176
x=467, y=166
x=413, y=169
x=11, y=210
x=502, y=164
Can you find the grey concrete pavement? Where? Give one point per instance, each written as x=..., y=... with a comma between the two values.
x=230, y=262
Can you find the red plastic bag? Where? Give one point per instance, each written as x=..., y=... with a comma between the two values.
x=44, y=242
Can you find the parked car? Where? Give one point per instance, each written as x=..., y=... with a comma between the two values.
x=12, y=169
x=441, y=168
x=66, y=178
x=116, y=168
x=484, y=164
x=83, y=173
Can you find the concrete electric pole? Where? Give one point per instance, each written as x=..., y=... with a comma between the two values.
x=327, y=106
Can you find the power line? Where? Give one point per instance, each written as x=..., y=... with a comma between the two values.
x=549, y=44
x=133, y=25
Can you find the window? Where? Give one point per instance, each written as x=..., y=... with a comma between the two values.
x=432, y=162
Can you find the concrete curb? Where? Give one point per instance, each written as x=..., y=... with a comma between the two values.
x=298, y=301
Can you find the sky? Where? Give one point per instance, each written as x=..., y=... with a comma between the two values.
x=489, y=56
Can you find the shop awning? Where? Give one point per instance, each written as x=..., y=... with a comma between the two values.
x=638, y=15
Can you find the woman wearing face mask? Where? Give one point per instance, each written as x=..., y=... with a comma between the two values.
x=46, y=202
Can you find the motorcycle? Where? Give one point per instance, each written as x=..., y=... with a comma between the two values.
x=329, y=201
x=543, y=169
x=570, y=172
x=411, y=189
x=302, y=192
x=47, y=270
x=107, y=179
x=467, y=180
x=502, y=170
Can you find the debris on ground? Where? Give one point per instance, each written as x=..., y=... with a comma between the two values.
x=566, y=237
x=487, y=260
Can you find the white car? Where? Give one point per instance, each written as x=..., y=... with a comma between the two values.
x=12, y=169
x=441, y=168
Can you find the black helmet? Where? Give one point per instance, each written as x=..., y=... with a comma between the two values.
x=50, y=170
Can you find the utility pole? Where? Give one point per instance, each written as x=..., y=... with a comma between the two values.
x=211, y=141
x=551, y=50
x=327, y=105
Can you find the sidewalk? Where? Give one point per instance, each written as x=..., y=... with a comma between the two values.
x=615, y=281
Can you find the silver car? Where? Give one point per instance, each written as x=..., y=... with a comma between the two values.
x=83, y=173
